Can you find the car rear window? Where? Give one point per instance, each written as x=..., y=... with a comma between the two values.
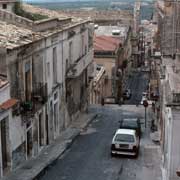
x=124, y=138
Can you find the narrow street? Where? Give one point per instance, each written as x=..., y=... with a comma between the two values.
x=137, y=83
x=89, y=157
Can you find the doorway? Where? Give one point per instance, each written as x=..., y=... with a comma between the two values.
x=4, y=150
x=41, y=130
x=29, y=142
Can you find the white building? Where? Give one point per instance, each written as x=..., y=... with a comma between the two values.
x=170, y=118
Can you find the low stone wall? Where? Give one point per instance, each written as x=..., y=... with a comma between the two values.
x=14, y=19
x=37, y=26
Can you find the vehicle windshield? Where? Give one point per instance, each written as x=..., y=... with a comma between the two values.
x=144, y=94
x=124, y=138
x=132, y=124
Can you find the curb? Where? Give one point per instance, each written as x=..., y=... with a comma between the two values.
x=89, y=121
x=54, y=160
x=68, y=144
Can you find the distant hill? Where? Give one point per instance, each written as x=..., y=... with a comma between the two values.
x=56, y=1
x=146, y=13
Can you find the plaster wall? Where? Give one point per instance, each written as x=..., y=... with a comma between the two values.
x=4, y=93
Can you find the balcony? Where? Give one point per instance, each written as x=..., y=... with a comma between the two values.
x=80, y=65
x=39, y=93
x=38, y=99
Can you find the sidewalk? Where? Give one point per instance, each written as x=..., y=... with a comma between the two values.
x=32, y=168
x=152, y=163
x=151, y=155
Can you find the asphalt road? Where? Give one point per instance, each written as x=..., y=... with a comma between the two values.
x=89, y=157
x=137, y=83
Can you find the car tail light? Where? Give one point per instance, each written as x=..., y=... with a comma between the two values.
x=112, y=146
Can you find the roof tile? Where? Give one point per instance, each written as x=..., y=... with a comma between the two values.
x=8, y=104
x=106, y=43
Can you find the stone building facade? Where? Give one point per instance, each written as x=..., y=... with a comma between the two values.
x=113, y=50
x=8, y=5
x=97, y=85
x=8, y=140
x=47, y=73
x=168, y=43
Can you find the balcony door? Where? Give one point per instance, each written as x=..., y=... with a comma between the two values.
x=54, y=65
x=27, y=82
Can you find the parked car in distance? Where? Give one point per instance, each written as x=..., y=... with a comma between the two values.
x=131, y=123
x=125, y=142
x=127, y=94
x=143, y=99
x=145, y=95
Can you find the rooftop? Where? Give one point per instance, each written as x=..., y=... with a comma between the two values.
x=106, y=43
x=8, y=104
x=13, y=35
x=43, y=11
x=100, y=14
x=108, y=30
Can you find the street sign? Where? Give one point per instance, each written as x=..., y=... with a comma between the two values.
x=145, y=103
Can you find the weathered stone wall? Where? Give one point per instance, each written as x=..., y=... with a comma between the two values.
x=10, y=6
x=14, y=19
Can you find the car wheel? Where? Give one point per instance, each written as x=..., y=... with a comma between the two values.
x=112, y=155
x=137, y=154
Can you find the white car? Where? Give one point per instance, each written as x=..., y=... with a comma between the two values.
x=125, y=142
x=145, y=94
x=143, y=99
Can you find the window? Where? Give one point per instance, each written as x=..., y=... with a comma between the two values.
x=4, y=142
x=70, y=51
x=55, y=117
x=67, y=64
x=55, y=95
x=55, y=65
x=48, y=69
x=4, y=6
x=82, y=43
x=40, y=129
x=85, y=49
x=27, y=81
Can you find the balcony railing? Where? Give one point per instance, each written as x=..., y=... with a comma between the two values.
x=78, y=67
x=38, y=98
x=39, y=92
